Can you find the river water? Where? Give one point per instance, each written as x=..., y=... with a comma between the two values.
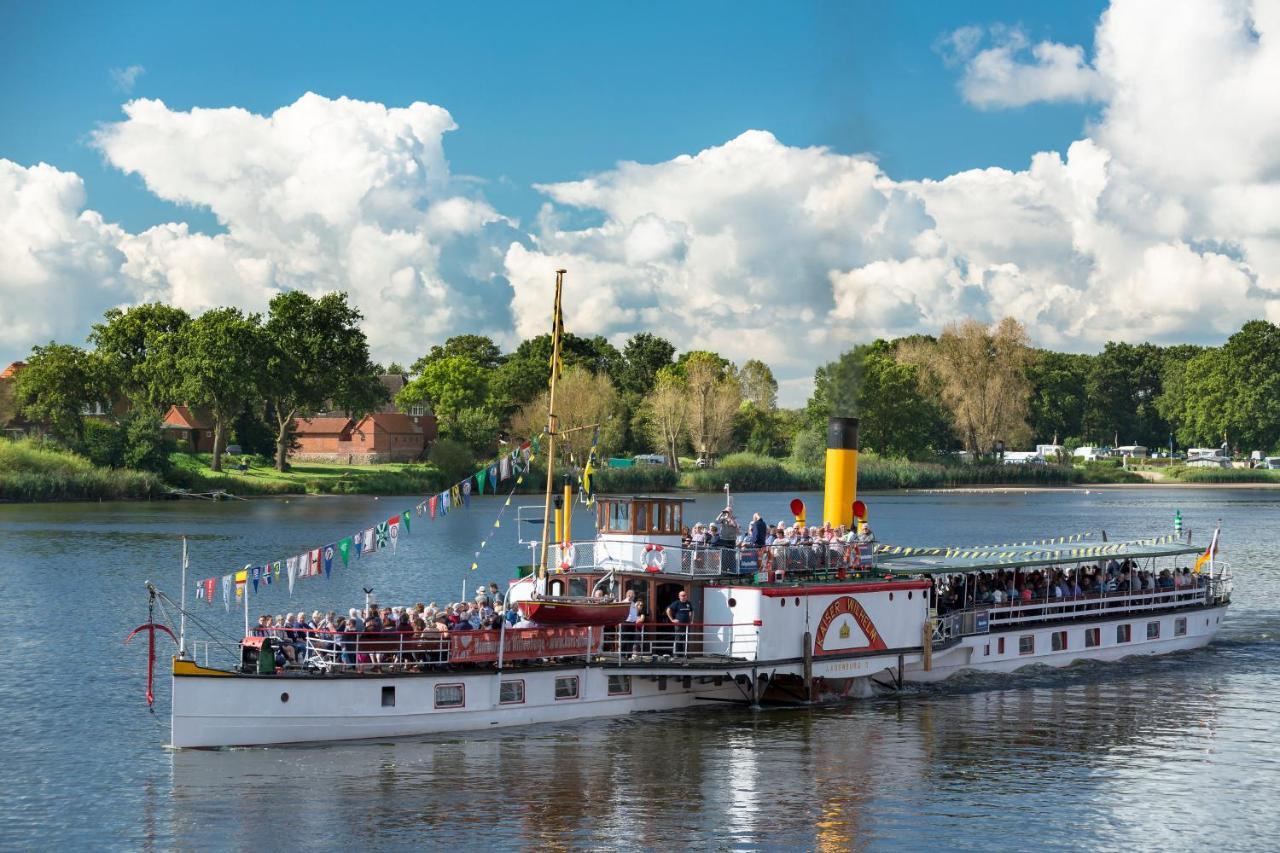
x=1171, y=753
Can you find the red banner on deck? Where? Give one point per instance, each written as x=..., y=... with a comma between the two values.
x=526, y=643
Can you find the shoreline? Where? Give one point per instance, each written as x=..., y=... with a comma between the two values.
x=993, y=489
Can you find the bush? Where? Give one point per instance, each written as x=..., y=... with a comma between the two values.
x=1224, y=475
x=635, y=480
x=750, y=472
x=809, y=448
x=145, y=447
x=1096, y=472
x=103, y=443
x=453, y=458
x=32, y=471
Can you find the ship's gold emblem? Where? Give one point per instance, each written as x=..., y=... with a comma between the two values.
x=844, y=631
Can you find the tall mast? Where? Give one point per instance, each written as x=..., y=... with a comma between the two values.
x=557, y=327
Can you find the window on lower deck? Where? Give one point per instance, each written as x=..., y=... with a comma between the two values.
x=1153, y=630
x=1124, y=633
x=450, y=696
x=1092, y=637
x=1027, y=645
x=1180, y=626
x=511, y=693
x=567, y=688
x=1059, y=640
x=619, y=685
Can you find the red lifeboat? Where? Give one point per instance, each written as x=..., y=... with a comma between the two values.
x=575, y=610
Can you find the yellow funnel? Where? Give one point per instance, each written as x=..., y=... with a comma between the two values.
x=842, y=471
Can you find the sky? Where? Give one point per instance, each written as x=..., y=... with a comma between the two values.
x=780, y=181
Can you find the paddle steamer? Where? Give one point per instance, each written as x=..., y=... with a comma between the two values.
x=791, y=624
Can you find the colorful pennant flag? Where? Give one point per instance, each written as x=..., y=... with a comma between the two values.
x=344, y=548
x=328, y=560
x=481, y=476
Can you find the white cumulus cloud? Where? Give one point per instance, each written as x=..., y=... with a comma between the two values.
x=1158, y=223
x=1013, y=72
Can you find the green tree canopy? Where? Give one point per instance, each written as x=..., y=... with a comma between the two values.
x=869, y=382
x=56, y=386
x=1057, y=394
x=758, y=385
x=449, y=386
x=1120, y=395
x=480, y=349
x=1232, y=393
x=317, y=358
x=137, y=345
x=220, y=366
x=643, y=356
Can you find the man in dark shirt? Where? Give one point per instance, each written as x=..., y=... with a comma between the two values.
x=759, y=531
x=680, y=612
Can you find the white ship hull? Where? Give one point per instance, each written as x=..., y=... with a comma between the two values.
x=212, y=711
x=983, y=653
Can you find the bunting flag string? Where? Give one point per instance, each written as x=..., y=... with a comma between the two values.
x=510, y=467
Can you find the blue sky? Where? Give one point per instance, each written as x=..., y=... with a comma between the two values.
x=797, y=178
x=541, y=92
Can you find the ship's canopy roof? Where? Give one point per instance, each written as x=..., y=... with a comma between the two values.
x=913, y=560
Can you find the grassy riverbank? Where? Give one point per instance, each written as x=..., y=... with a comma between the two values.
x=31, y=471
x=192, y=471
x=34, y=472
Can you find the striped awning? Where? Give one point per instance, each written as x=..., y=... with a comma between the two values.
x=915, y=560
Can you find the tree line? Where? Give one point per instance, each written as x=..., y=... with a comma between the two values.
x=972, y=387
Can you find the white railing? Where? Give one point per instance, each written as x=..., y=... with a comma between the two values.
x=983, y=618
x=789, y=560
x=625, y=644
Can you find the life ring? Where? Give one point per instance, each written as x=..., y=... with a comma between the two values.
x=568, y=555
x=654, y=558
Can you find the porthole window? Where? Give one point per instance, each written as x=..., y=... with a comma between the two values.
x=908, y=595
x=797, y=601
x=783, y=602
x=284, y=697
x=733, y=602
x=891, y=596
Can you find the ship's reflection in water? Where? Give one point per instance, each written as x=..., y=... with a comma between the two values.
x=1126, y=755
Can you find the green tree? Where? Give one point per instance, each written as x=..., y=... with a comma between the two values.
x=137, y=347
x=665, y=414
x=643, y=356
x=449, y=386
x=713, y=397
x=145, y=448
x=1057, y=394
x=758, y=385
x=221, y=362
x=1232, y=393
x=1120, y=394
x=897, y=418
x=318, y=358
x=980, y=374
x=478, y=348
x=476, y=428
x=59, y=382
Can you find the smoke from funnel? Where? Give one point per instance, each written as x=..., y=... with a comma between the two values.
x=843, y=383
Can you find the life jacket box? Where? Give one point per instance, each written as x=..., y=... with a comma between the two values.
x=258, y=654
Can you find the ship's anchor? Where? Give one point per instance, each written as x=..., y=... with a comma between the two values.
x=151, y=627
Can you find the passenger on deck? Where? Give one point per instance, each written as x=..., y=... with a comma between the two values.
x=680, y=612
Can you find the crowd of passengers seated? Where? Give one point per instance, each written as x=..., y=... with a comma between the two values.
x=1010, y=587
x=375, y=635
